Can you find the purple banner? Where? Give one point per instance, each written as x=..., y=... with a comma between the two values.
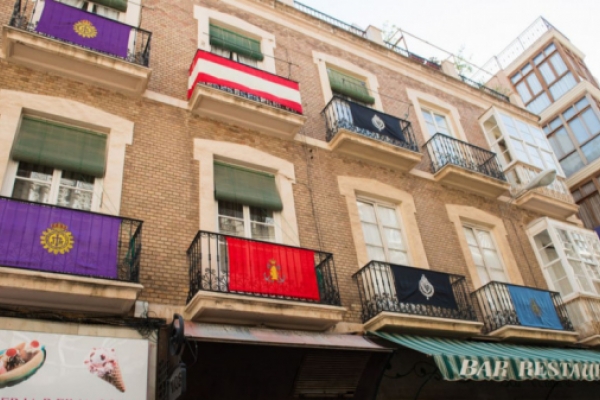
x=597, y=229
x=85, y=29
x=45, y=238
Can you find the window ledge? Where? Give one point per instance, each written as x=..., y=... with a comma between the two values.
x=514, y=333
x=474, y=182
x=418, y=324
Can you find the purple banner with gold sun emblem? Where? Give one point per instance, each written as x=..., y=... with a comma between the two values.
x=84, y=29
x=45, y=238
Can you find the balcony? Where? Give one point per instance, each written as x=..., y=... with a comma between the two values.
x=344, y=136
x=386, y=307
x=242, y=281
x=584, y=311
x=464, y=166
x=65, y=259
x=235, y=93
x=523, y=314
x=554, y=200
x=45, y=38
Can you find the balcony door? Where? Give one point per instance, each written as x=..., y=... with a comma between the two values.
x=385, y=242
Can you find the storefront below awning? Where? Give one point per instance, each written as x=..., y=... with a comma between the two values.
x=482, y=361
x=232, y=362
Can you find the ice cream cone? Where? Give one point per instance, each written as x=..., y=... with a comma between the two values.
x=115, y=378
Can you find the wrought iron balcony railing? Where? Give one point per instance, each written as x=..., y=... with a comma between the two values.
x=25, y=17
x=329, y=19
x=484, y=88
x=445, y=150
x=377, y=291
x=48, y=238
x=338, y=116
x=210, y=269
x=498, y=307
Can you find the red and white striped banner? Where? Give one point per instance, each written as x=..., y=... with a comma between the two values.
x=213, y=69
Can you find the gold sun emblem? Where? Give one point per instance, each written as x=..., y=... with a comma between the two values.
x=85, y=28
x=57, y=239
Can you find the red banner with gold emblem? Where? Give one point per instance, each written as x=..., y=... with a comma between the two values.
x=266, y=268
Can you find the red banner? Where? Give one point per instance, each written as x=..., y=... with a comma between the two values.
x=265, y=268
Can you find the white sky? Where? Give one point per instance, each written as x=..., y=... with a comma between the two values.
x=483, y=27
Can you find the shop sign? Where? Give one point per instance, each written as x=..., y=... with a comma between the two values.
x=177, y=383
x=45, y=366
x=524, y=369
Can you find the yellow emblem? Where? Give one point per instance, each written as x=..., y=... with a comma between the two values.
x=274, y=274
x=85, y=28
x=535, y=308
x=57, y=239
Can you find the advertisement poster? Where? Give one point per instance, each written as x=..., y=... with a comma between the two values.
x=44, y=366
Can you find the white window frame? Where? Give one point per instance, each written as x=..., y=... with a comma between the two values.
x=380, y=227
x=433, y=113
x=496, y=249
x=425, y=101
x=248, y=221
x=508, y=140
x=207, y=16
x=11, y=175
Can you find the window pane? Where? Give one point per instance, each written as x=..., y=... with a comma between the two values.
x=398, y=257
x=534, y=84
x=561, y=143
x=230, y=209
x=592, y=149
x=523, y=92
x=261, y=215
x=477, y=256
x=470, y=236
x=591, y=120
x=582, y=103
x=366, y=212
x=35, y=172
x=524, y=131
x=371, y=233
x=535, y=157
x=558, y=64
x=547, y=73
x=485, y=239
x=262, y=232
x=77, y=180
x=492, y=261
x=579, y=130
x=559, y=279
x=75, y=191
x=387, y=216
x=394, y=238
x=571, y=164
x=562, y=86
x=376, y=253
x=539, y=104
x=230, y=226
x=31, y=191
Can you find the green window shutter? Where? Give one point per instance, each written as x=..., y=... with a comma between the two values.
x=243, y=186
x=60, y=146
x=235, y=42
x=350, y=86
x=119, y=5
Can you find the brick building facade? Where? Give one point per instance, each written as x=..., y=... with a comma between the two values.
x=442, y=183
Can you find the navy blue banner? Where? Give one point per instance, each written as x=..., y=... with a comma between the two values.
x=597, y=229
x=375, y=121
x=419, y=286
x=534, y=307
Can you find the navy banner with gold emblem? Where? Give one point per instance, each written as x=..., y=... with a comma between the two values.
x=534, y=307
x=419, y=286
x=375, y=121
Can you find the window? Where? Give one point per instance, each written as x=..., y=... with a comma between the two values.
x=436, y=123
x=570, y=258
x=587, y=196
x=235, y=46
x=575, y=136
x=248, y=202
x=57, y=164
x=485, y=255
x=106, y=8
x=543, y=80
x=349, y=87
x=382, y=233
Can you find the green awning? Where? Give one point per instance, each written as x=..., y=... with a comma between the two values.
x=60, y=146
x=350, y=86
x=482, y=361
x=119, y=5
x=244, y=186
x=235, y=42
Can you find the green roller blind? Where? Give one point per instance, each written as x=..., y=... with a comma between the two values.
x=350, y=86
x=235, y=42
x=243, y=186
x=119, y=5
x=60, y=146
